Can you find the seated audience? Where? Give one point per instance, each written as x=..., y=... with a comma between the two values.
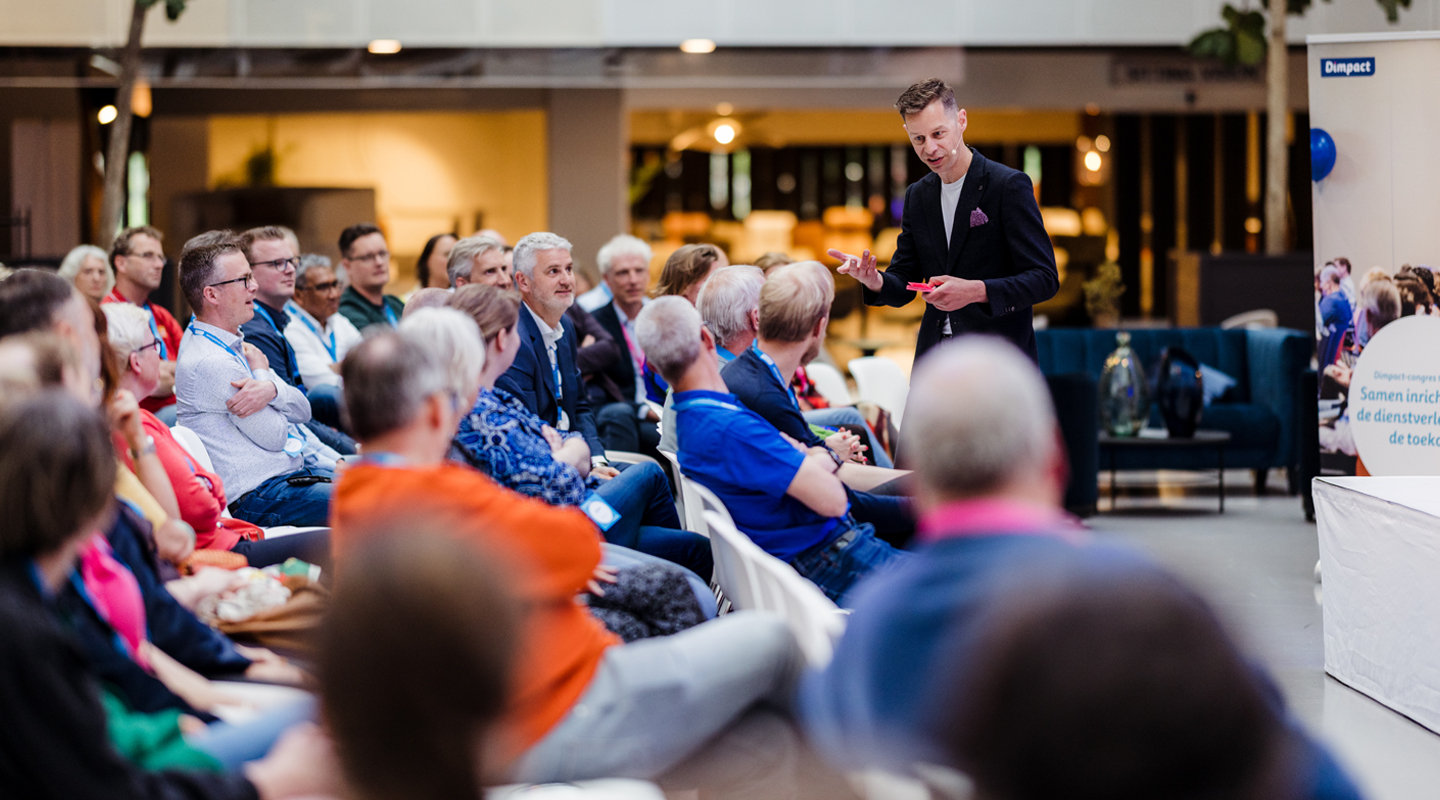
x=545, y=375
x=56, y=474
x=275, y=265
x=139, y=263
x=430, y=267
x=687, y=269
x=1120, y=683
x=248, y=418
x=626, y=422
x=773, y=259
x=88, y=267
x=503, y=439
x=323, y=335
x=477, y=259
x=365, y=257
x=788, y=498
x=669, y=695
x=439, y=659
x=199, y=493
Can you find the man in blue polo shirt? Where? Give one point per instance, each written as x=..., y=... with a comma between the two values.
x=787, y=498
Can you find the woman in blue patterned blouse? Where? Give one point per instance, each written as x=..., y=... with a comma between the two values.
x=503, y=439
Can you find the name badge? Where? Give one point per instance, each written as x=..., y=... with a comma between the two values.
x=600, y=512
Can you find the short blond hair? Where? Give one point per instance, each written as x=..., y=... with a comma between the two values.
x=794, y=300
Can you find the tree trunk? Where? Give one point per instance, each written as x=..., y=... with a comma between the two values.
x=118, y=152
x=1277, y=157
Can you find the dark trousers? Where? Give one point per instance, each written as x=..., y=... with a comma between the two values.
x=309, y=546
x=892, y=517
x=648, y=522
x=621, y=429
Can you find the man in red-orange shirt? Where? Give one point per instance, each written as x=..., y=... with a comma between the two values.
x=647, y=705
x=139, y=263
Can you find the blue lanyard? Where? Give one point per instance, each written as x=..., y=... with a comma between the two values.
x=555, y=369
x=155, y=329
x=263, y=311
x=329, y=346
x=389, y=314
x=775, y=370
x=691, y=402
x=383, y=459
x=212, y=337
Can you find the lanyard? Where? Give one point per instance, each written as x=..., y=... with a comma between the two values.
x=116, y=297
x=775, y=370
x=691, y=402
x=262, y=310
x=383, y=459
x=212, y=337
x=294, y=440
x=552, y=352
x=329, y=346
x=389, y=314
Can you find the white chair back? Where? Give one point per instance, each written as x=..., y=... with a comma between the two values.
x=752, y=578
x=190, y=440
x=881, y=381
x=1251, y=320
x=830, y=383
x=690, y=506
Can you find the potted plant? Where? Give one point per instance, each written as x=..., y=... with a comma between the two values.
x=1102, y=295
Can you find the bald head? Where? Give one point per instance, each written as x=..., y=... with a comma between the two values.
x=979, y=420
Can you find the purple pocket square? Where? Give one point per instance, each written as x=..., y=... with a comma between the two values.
x=978, y=218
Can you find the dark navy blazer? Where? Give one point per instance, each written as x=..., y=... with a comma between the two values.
x=531, y=380
x=1005, y=245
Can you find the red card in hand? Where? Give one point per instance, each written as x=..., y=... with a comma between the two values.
x=919, y=287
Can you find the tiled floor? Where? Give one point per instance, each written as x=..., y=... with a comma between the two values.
x=1256, y=563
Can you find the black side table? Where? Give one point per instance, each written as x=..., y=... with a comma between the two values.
x=1110, y=445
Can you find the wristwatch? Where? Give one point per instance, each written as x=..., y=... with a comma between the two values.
x=146, y=449
x=834, y=456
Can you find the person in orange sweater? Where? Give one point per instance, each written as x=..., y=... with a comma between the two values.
x=581, y=706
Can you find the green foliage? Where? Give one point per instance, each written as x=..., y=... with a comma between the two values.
x=174, y=8
x=1242, y=38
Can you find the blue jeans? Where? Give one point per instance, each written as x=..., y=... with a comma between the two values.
x=838, y=564
x=278, y=501
x=850, y=415
x=648, y=522
x=234, y=744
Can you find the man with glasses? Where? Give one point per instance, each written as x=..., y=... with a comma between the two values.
x=139, y=263
x=274, y=261
x=320, y=334
x=248, y=417
x=366, y=258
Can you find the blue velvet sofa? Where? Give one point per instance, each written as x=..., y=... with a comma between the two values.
x=1262, y=413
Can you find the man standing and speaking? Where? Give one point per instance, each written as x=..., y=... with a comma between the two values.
x=971, y=234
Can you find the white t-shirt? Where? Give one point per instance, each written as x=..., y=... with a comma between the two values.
x=949, y=201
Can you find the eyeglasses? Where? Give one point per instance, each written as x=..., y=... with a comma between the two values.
x=155, y=343
x=281, y=265
x=147, y=256
x=322, y=288
x=377, y=257
x=248, y=278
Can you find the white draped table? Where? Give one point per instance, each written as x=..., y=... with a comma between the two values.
x=1380, y=565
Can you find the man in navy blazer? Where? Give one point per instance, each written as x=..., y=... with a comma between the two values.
x=971, y=230
x=545, y=276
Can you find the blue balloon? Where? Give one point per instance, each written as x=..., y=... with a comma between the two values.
x=1322, y=154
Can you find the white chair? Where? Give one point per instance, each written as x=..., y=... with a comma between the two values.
x=602, y=789
x=880, y=381
x=752, y=578
x=689, y=503
x=627, y=457
x=190, y=440
x=830, y=383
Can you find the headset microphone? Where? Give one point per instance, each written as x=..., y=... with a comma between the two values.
x=953, y=152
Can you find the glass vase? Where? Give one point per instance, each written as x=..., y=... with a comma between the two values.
x=1124, y=394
